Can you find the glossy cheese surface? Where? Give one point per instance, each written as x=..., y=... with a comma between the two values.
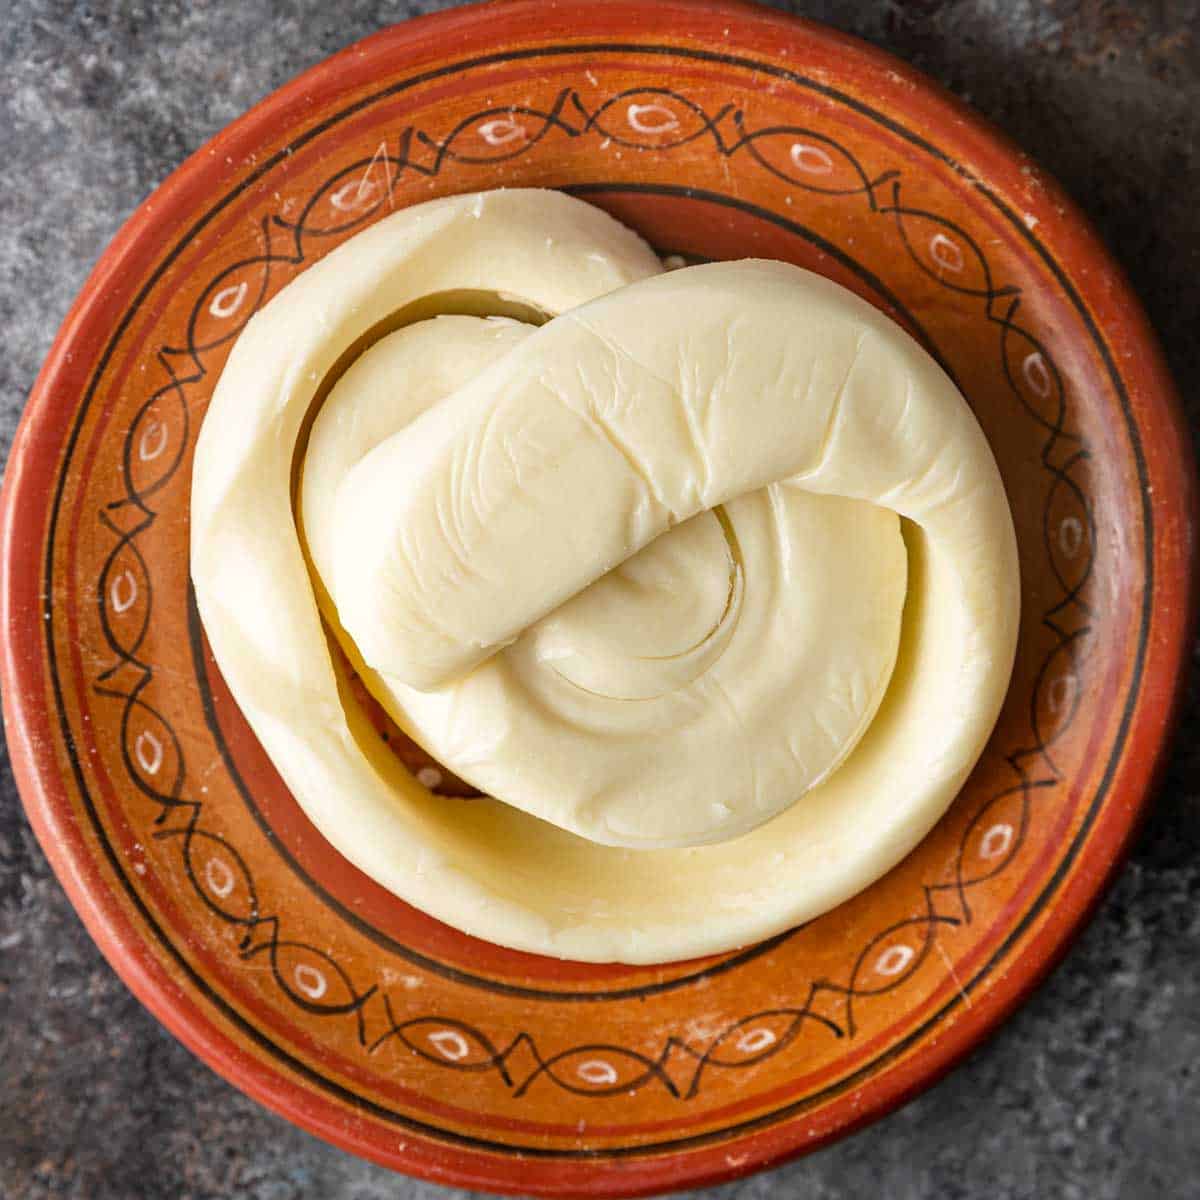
x=638, y=572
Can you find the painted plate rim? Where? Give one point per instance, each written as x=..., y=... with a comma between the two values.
x=29, y=724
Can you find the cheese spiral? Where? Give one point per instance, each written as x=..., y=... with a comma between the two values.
x=638, y=572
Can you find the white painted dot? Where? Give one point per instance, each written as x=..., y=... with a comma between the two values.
x=755, y=1040
x=946, y=253
x=651, y=118
x=597, y=1072
x=148, y=750
x=1037, y=374
x=357, y=192
x=812, y=160
x=1070, y=536
x=228, y=300
x=894, y=959
x=450, y=1044
x=429, y=777
x=1061, y=693
x=153, y=441
x=353, y=194
x=996, y=841
x=219, y=876
x=123, y=591
x=310, y=981
x=501, y=131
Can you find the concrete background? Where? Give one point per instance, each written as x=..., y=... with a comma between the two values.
x=1093, y=1090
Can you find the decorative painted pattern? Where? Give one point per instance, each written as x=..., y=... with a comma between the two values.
x=649, y=121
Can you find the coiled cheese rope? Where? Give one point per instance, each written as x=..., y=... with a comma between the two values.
x=638, y=572
x=685, y=696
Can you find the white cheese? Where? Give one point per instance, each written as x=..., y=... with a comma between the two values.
x=687, y=695
x=492, y=540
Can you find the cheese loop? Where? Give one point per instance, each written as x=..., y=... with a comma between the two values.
x=704, y=402
x=683, y=697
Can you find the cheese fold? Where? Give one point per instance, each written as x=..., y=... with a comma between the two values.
x=684, y=697
x=539, y=543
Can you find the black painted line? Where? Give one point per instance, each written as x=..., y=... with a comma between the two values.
x=1072, y=852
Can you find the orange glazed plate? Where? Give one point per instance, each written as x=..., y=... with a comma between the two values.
x=717, y=131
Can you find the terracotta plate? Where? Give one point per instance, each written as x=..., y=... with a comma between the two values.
x=717, y=131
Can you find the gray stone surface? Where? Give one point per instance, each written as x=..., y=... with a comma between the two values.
x=1093, y=1090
